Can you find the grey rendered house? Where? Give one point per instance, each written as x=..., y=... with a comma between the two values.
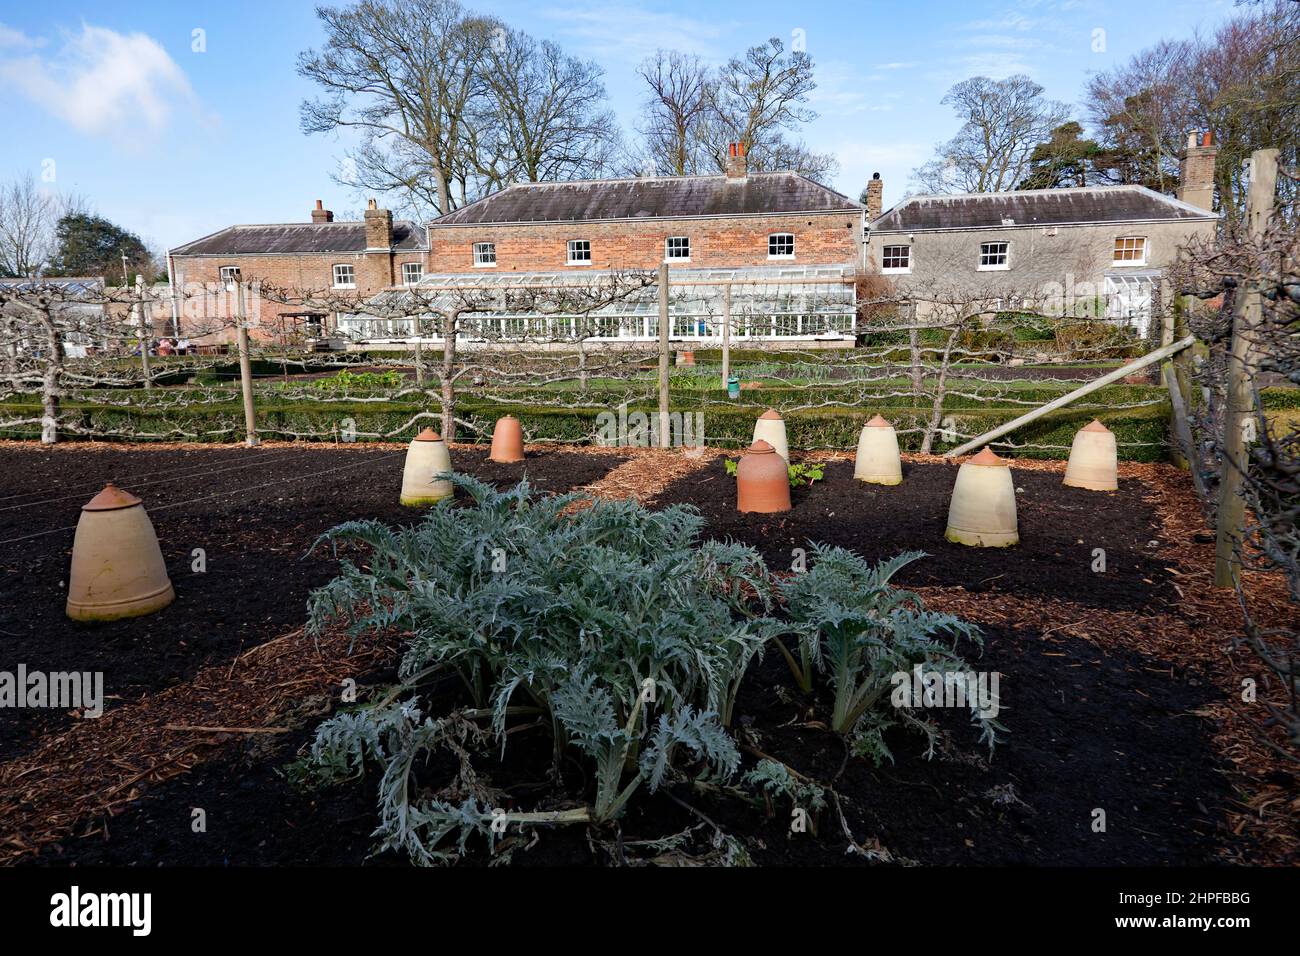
x=1101, y=251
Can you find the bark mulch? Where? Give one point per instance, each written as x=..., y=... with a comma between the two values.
x=97, y=767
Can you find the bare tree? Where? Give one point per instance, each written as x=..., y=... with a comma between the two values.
x=403, y=74
x=1270, y=484
x=450, y=104
x=28, y=216
x=1002, y=122
x=546, y=118
x=758, y=100
x=677, y=107
x=1242, y=82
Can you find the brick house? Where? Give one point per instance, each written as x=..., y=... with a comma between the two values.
x=1101, y=251
x=733, y=221
x=364, y=257
x=763, y=232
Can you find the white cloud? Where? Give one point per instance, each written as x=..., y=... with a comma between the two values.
x=104, y=82
x=10, y=37
x=631, y=33
x=842, y=90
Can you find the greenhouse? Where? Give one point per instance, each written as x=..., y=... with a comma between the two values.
x=786, y=303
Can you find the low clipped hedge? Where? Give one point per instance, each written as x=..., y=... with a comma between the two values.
x=1141, y=432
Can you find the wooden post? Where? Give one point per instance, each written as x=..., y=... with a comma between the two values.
x=1159, y=355
x=1242, y=361
x=245, y=368
x=665, y=439
x=726, y=334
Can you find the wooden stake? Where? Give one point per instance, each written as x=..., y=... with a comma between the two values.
x=1159, y=355
x=726, y=334
x=665, y=439
x=245, y=368
x=1242, y=361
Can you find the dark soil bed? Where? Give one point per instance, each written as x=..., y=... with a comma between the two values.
x=1059, y=528
x=1088, y=731
x=261, y=510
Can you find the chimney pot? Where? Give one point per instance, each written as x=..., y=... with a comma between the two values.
x=737, y=167
x=321, y=214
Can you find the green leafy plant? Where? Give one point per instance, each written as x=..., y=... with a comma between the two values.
x=860, y=632
x=804, y=473
x=606, y=622
x=346, y=382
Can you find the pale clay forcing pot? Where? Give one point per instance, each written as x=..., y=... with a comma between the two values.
x=877, y=461
x=507, y=441
x=762, y=480
x=983, y=508
x=1094, y=459
x=770, y=428
x=426, y=456
x=117, y=567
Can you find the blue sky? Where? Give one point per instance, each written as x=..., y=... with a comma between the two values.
x=174, y=133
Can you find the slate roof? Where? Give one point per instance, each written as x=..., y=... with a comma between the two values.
x=651, y=198
x=1036, y=207
x=299, y=238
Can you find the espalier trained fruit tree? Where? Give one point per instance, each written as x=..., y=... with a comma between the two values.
x=611, y=626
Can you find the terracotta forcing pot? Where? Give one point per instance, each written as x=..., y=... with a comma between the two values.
x=426, y=456
x=686, y=358
x=507, y=441
x=1094, y=459
x=983, y=509
x=117, y=567
x=770, y=428
x=762, y=480
x=878, y=461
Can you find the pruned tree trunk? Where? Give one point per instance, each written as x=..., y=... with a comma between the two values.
x=940, y=387
x=52, y=380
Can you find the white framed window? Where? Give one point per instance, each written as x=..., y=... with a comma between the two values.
x=896, y=259
x=579, y=252
x=412, y=273
x=780, y=245
x=677, y=248
x=1130, y=251
x=995, y=255
x=229, y=276
x=345, y=276
x=485, y=253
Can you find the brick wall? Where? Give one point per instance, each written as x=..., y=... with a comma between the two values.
x=820, y=239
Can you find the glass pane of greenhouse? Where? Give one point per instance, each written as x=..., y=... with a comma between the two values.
x=795, y=302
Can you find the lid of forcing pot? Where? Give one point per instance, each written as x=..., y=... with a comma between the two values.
x=111, y=498
x=987, y=457
x=879, y=421
x=1095, y=426
x=428, y=435
x=771, y=415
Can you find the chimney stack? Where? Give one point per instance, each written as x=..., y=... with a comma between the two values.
x=875, y=198
x=379, y=227
x=737, y=166
x=321, y=214
x=1196, y=171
